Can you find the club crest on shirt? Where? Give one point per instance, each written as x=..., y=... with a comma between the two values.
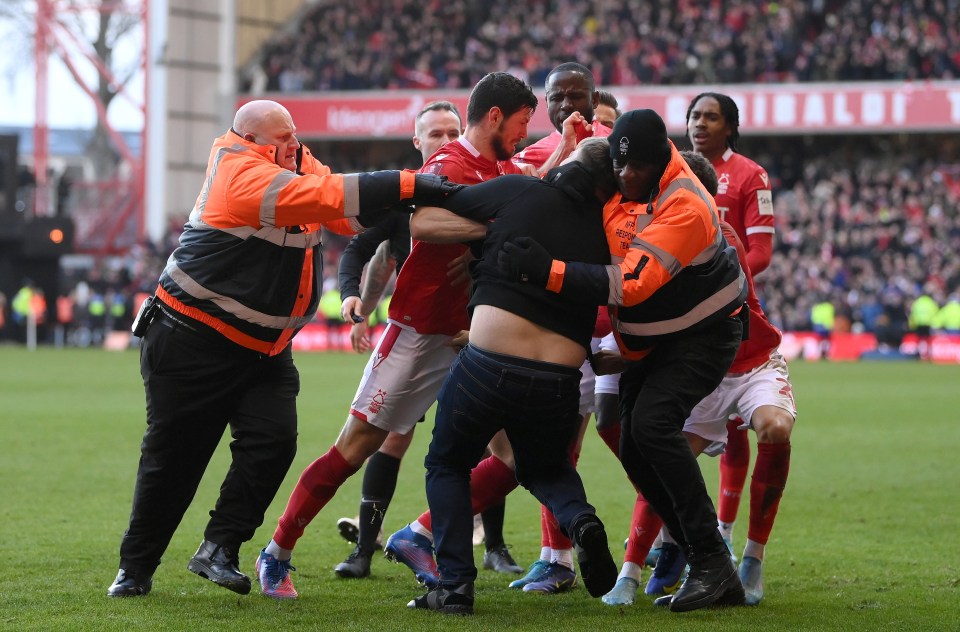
x=723, y=183
x=376, y=402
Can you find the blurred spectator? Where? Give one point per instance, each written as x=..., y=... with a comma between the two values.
x=3, y=317
x=367, y=44
x=923, y=311
x=947, y=319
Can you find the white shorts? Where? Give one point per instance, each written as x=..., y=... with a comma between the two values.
x=402, y=378
x=608, y=384
x=742, y=394
x=588, y=402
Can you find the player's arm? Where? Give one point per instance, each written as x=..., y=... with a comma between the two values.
x=379, y=270
x=464, y=216
x=358, y=252
x=758, y=221
x=440, y=226
x=575, y=129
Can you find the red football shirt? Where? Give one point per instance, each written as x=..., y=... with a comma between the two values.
x=764, y=337
x=424, y=298
x=744, y=197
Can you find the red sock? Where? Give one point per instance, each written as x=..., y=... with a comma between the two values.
x=490, y=482
x=611, y=436
x=544, y=526
x=766, y=488
x=643, y=531
x=317, y=485
x=734, y=465
x=426, y=521
x=550, y=530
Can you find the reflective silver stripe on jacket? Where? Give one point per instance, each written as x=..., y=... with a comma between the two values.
x=704, y=309
x=686, y=183
x=227, y=304
x=276, y=236
x=202, y=198
x=615, y=277
x=268, y=203
x=351, y=194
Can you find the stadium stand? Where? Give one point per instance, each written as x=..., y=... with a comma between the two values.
x=391, y=44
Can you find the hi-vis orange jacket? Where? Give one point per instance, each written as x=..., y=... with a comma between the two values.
x=249, y=261
x=671, y=269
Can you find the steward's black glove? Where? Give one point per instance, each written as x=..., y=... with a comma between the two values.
x=369, y=217
x=524, y=259
x=432, y=190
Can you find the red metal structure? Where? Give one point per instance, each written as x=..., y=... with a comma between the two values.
x=109, y=216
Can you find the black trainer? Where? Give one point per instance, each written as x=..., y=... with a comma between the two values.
x=713, y=585
x=597, y=568
x=130, y=583
x=357, y=564
x=499, y=559
x=447, y=599
x=220, y=565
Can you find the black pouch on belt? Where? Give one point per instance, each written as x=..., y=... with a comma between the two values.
x=148, y=310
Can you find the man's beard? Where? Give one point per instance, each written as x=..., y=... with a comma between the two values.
x=499, y=148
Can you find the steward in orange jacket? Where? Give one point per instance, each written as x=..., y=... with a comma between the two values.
x=215, y=347
x=676, y=293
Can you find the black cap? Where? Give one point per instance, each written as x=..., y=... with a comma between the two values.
x=641, y=136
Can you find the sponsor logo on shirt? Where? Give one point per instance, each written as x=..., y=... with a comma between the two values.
x=765, y=202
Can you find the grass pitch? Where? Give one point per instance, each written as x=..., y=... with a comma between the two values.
x=866, y=539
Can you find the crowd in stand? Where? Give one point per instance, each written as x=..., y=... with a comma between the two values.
x=390, y=44
x=867, y=227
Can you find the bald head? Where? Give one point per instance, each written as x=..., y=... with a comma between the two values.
x=269, y=123
x=252, y=116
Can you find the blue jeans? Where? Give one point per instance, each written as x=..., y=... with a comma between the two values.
x=537, y=404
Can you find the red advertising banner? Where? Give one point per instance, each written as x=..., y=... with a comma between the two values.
x=798, y=108
x=805, y=345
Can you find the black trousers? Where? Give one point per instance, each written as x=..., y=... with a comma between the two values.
x=536, y=403
x=197, y=383
x=656, y=397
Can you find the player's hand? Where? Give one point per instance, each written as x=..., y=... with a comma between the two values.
x=458, y=270
x=607, y=362
x=350, y=309
x=459, y=340
x=575, y=128
x=523, y=259
x=431, y=189
x=528, y=169
x=360, y=337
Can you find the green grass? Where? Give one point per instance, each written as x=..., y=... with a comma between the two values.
x=866, y=538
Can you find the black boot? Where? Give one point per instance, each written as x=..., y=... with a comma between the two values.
x=131, y=583
x=597, y=568
x=447, y=599
x=712, y=582
x=220, y=565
